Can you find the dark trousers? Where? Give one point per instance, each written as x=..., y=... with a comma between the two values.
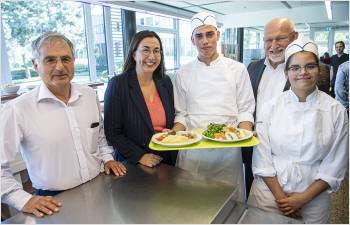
x=247, y=155
x=46, y=192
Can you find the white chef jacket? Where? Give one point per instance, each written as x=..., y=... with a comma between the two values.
x=56, y=140
x=301, y=142
x=271, y=85
x=218, y=93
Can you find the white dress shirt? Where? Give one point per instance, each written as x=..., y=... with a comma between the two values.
x=301, y=142
x=271, y=85
x=218, y=93
x=56, y=140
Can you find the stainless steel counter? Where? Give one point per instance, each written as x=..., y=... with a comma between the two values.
x=145, y=195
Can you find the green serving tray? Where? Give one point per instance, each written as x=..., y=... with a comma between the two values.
x=204, y=143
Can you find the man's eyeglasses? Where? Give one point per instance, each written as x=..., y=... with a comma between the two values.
x=278, y=39
x=147, y=52
x=296, y=69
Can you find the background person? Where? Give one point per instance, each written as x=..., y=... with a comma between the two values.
x=58, y=129
x=336, y=60
x=303, y=150
x=212, y=89
x=342, y=85
x=326, y=59
x=140, y=102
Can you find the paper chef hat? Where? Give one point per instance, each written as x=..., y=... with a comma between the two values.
x=301, y=45
x=202, y=18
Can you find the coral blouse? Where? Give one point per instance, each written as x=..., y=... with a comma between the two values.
x=156, y=111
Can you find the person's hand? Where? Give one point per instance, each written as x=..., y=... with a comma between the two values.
x=167, y=130
x=255, y=134
x=291, y=204
x=42, y=205
x=117, y=168
x=150, y=160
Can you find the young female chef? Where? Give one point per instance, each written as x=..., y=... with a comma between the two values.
x=303, y=153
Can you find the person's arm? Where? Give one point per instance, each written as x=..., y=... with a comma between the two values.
x=340, y=82
x=247, y=125
x=333, y=166
x=114, y=123
x=275, y=187
x=12, y=192
x=180, y=103
x=295, y=201
x=245, y=100
x=178, y=127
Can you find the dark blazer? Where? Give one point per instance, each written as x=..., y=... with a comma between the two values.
x=127, y=122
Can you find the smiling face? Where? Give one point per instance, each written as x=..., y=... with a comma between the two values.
x=205, y=38
x=277, y=36
x=147, y=55
x=303, y=71
x=55, y=64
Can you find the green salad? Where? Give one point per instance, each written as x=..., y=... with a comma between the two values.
x=214, y=128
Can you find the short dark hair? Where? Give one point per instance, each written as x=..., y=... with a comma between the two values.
x=130, y=63
x=342, y=42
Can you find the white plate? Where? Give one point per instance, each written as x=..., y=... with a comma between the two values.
x=197, y=138
x=248, y=134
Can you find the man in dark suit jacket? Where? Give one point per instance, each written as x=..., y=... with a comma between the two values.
x=268, y=78
x=267, y=75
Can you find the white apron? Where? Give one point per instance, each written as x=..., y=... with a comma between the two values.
x=316, y=211
x=212, y=98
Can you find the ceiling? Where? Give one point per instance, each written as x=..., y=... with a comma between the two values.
x=248, y=13
x=226, y=11
x=229, y=7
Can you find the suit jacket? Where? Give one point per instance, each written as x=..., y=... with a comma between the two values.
x=128, y=124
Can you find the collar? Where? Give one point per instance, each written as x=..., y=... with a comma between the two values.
x=310, y=98
x=212, y=63
x=45, y=93
x=268, y=64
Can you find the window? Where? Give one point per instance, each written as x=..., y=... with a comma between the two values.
x=175, y=34
x=187, y=49
x=253, y=45
x=150, y=20
x=164, y=27
x=342, y=35
x=24, y=21
x=229, y=43
x=321, y=39
x=117, y=40
x=99, y=39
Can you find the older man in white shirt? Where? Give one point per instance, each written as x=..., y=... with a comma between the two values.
x=212, y=89
x=58, y=129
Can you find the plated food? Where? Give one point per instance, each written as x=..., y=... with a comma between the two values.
x=225, y=133
x=176, y=139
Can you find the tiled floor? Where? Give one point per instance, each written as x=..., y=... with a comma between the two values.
x=340, y=204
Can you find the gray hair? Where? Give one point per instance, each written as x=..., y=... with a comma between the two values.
x=48, y=37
